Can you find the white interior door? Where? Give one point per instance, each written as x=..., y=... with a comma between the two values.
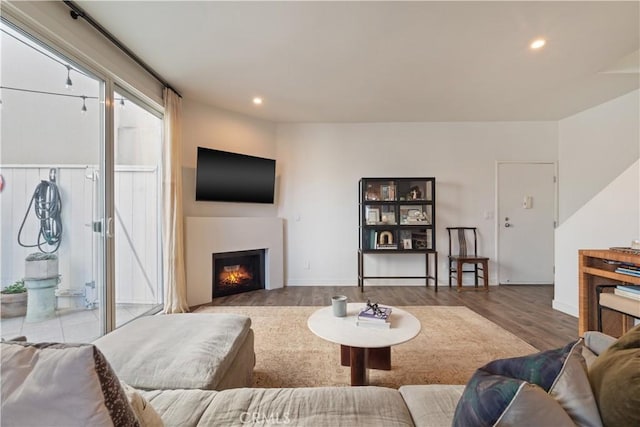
x=526, y=215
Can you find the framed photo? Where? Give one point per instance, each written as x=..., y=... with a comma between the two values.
x=406, y=244
x=373, y=216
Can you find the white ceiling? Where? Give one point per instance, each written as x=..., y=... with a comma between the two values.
x=386, y=61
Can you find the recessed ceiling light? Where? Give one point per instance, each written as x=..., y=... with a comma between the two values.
x=257, y=100
x=537, y=44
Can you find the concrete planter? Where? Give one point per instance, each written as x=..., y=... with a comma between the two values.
x=41, y=266
x=42, y=298
x=13, y=305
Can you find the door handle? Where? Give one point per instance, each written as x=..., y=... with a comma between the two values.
x=109, y=228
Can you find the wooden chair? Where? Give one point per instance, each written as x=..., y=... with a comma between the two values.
x=460, y=253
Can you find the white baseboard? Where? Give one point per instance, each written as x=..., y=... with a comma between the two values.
x=565, y=308
x=376, y=282
x=347, y=283
x=316, y=283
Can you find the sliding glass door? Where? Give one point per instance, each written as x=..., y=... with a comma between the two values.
x=79, y=188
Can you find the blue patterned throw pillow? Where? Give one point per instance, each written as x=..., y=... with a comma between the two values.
x=546, y=388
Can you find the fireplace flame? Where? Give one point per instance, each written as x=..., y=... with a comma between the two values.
x=234, y=275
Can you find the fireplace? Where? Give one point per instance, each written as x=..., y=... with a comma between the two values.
x=236, y=272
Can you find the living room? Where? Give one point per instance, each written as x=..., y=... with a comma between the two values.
x=593, y=144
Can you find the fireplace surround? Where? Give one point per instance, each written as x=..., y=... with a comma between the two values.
x=207, y=235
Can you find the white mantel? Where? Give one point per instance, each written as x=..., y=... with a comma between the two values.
x=205, y=236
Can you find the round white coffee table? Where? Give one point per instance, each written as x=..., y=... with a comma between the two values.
x=363, y=347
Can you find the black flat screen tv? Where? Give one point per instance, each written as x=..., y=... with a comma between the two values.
x=230, y=177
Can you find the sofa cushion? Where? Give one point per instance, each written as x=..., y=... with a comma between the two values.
x=179, y=408
x=595, y=343
x=175, y=351
x=142, y=409
x=432, y=405
x=615, y=378
x=319, y=406
x=550, y=387
x=60, y=385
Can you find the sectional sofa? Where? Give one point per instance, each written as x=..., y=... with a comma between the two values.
x=191, y=370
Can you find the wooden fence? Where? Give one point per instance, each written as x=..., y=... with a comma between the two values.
x=136, y=228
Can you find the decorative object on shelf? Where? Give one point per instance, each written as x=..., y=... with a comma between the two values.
x=420, y=240
x=631, y=251
x=411, y=215
x=388, y=218
x=406, y=244
x=415, y=193
x=388, y=192
x=371, y=194
x=386, y=238
x=416, y=215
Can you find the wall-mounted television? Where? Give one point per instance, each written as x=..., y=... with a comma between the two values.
x=222, y=176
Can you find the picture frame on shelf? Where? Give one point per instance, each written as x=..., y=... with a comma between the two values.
x=373, y=216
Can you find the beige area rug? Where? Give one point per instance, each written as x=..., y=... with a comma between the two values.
x=453, y=343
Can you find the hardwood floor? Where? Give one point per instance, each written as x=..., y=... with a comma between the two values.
x=524, y=311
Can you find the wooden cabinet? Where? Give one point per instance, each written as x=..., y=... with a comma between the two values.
x=397, y=216
x=597, y=267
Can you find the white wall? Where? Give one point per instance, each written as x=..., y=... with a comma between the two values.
x=608, y=219
x=598, y=157
x=320, y=165
x=211, y=127
x=595, y=146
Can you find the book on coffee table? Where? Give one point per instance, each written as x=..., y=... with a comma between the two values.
x=373, y=324
x=379, y=315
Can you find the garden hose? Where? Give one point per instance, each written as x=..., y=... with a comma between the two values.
x=47, y=209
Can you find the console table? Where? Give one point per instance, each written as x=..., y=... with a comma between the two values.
x=597, y=267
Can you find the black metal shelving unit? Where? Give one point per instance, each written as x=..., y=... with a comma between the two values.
x=397, y=216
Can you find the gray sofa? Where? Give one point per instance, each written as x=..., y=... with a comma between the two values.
x=410, y=405
x=191, y=370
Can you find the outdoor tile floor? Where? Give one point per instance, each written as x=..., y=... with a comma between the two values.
x=78, y=325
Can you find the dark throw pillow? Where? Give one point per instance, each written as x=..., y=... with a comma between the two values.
x=546, y=388
x=615, y=379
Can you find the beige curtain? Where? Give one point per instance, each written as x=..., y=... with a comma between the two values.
x=175, y=283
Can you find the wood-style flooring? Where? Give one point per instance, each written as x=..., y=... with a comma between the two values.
x=524, y=311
